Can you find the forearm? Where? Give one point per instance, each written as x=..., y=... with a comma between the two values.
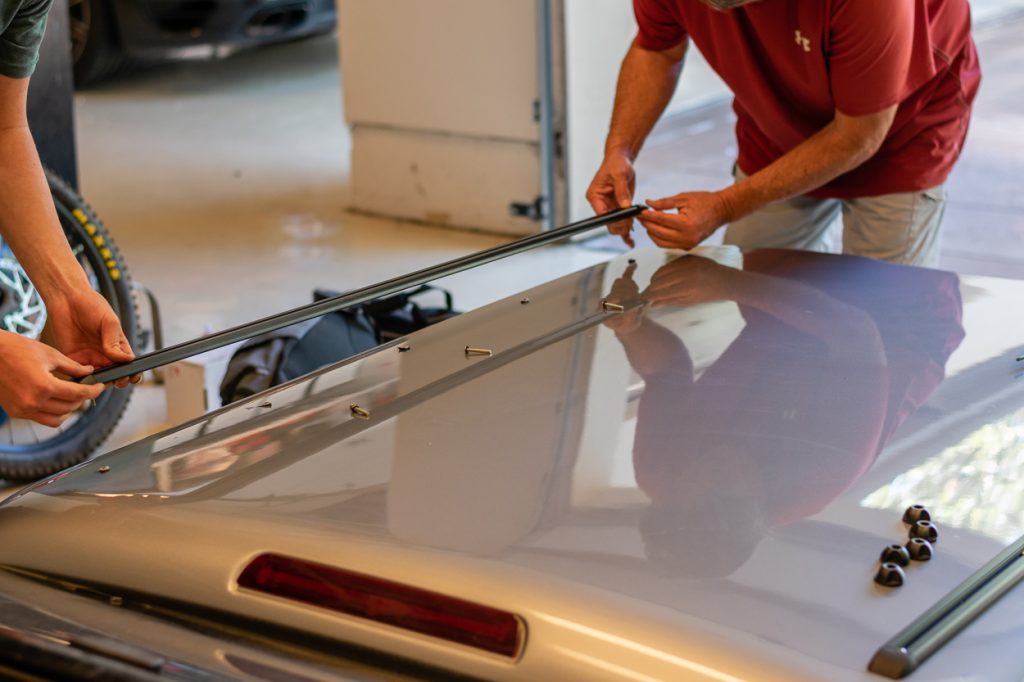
x=839, y=147
x=28, y=221
x=651, y=348
x=647, y=81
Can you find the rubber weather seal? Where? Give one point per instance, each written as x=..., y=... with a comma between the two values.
x=354, y=297
x=913, y=645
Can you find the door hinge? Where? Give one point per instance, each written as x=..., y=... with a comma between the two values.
x=533, y=211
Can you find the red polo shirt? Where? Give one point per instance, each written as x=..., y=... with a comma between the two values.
x=792, y=63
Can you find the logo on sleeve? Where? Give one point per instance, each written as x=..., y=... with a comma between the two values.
x=802, y=41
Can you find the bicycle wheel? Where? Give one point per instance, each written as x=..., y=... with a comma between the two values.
x=28, y=450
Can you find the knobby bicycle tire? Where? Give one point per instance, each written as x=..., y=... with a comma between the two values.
x=59, y=449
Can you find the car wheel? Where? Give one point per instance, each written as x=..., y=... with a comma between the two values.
x=95, y=48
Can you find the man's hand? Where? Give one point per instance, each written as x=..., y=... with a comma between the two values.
x=612, y=189
x=28, y=389
x=626, y=293
x=698, y=215
x=87, y=331
x=689, y=280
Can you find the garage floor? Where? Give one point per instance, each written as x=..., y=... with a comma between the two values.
x=224, y=185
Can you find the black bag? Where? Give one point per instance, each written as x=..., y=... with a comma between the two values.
x=402, y=314
x=279, y=356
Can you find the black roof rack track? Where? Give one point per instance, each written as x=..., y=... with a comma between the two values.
x=351, y=298
x=912, y=646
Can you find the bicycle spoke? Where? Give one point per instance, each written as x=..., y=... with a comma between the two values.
x=32, y=430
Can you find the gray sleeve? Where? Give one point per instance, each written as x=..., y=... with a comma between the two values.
x=20, y=39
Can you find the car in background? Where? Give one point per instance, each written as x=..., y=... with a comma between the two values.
x=107, y=34
x=774, y=466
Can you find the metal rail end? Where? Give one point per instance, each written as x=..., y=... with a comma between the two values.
x=892, y=663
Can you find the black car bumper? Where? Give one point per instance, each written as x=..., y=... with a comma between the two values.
x=159, y=29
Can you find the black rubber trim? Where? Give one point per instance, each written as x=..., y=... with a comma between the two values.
x=206, y=343
x=32, y=656
x=913, y=645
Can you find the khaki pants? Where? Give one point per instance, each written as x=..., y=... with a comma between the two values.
x=901, y=228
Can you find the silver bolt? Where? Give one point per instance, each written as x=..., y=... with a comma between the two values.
x=478, y=351
x=359, y=412
x=612, y=307
x=104, y=469
x=525, y=301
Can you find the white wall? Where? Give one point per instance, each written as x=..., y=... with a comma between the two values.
x=439, y=96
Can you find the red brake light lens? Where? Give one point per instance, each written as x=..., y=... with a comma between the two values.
x=384, y=601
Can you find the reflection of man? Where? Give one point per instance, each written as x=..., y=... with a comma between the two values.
x=85, y=329
x=835, y=354
x=858, y=106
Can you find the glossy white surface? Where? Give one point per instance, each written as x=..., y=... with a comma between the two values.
x=697, y=488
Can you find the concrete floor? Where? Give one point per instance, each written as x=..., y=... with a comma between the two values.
x=225, y=183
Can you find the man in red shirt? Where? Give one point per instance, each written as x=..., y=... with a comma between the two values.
x=852, y=106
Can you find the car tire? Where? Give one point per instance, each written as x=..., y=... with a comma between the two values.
x=96, y=51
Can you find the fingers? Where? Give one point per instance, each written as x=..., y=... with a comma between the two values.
x=70, y=391
x=51, y=403
x=623, y=192
x=55, y=406
x=115, y=344
x=669, y=230
x=601, y=194
x=133, y=379
x=65, y=365
x=627, y=237
x=46, y=419
x=664, y=204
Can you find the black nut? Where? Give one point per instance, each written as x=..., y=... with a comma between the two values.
x=920, y=549
x=925, y=530
x=889, y=575
x=915, y=513
x=896, y=554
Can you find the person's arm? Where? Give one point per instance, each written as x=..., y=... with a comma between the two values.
x=842, y=145
x=646, y=83
x=870, y=48
x=84, y=326
x=87, y=332
x=28, y=221
x=846, y=330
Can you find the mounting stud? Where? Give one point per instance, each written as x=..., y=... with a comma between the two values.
x=890, y=575
x=896, y=554
x=925, y=530
x=920, y=549
x=915, y=513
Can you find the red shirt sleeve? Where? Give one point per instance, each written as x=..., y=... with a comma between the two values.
x=870, y=48
x=660, y=26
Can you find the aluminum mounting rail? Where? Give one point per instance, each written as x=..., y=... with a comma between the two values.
x=933, y=629
x=203, y=344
